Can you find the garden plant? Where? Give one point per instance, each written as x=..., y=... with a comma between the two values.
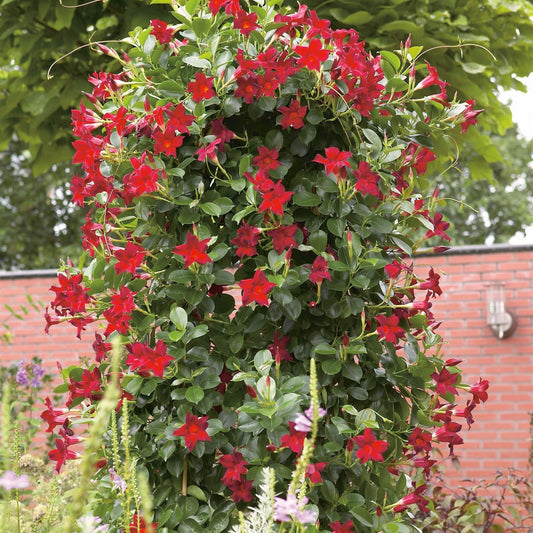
x=266, y=357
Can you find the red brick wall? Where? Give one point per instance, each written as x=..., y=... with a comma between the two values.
x=500, y=437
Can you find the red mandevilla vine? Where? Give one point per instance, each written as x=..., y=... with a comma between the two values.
x=256, y=187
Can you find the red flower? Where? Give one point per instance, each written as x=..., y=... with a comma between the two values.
x=246, y=240
x=311, y=56
x=242, y=490
x=335, y=161
x=260, y=181
x=60, y=454
x=267, y=84
x=312, y=472
x=431, y=79
x=193, y=251
x=418, y=156
x=221, y=132
x=145, y=359
x=469, y=115
x=100, y=347
x=431, y=284
x=395, y=268
x=439, y=227
x=283, y=237
x=266, y=159
x=235, y=467
x=389, y=329
x=53, y=417
x=479, y=390
x=143, y=180
x=119, y=121
x=414, y=497
x=167, y=141
x=369, y=447
x=294, y=439
x=449, y=433
x=256, y=289
x=367, y=181
x=247, y=88
x=70, y=295
x=138, y=524
x=89, y=386
x=201, y=88
x=118, y=315
x=193, y=430
x=293, y=115
x=319, y=271
x=445, y=382
x=179, y=120
x=420, y=440
x=274, y=200
x=208, y=151
x=245, y=22
x=129, y=258
x=161, y=31
x=278, y=348
x=337, y=527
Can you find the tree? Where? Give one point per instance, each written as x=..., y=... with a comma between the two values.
x=35, y=110
x=38, y=223
x=486, y=204
x=36, y=220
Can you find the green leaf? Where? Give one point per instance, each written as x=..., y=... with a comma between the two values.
x=167, y=450
x=473, y=68
x=263, y=361
x=373, y=138
x=315, y=116
x=196, y=492
x=358, y=18
x=319, y=241
x=244, y=164
x=178, y=316
x=190, y=526
x=325, y=349
x=194, y=394
x=236, y=343
x=362, y=516
x=219, y=522
x=392, y=58
x=210, y=208
x=479, y=168
x=331, y=366
x=337, y=226
x=402, y=26
x=352, y=371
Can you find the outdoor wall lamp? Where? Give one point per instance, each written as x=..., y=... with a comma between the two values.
x=500, y=320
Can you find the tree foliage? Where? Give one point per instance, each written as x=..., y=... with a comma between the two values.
x=36, y=110
x=485, y=204
x=38, y=223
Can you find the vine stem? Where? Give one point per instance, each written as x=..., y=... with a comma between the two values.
x=184, y=478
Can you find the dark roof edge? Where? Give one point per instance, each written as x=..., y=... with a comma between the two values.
x=42, y=273
x=484, y=249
